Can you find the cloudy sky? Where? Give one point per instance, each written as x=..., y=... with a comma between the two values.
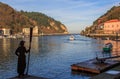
x=75, y=14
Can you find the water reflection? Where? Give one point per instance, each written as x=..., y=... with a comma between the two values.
x=51, y=56
x=115, y=49
x=116, y=46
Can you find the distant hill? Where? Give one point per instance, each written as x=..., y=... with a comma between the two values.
x=113, y=13
x=16, y=20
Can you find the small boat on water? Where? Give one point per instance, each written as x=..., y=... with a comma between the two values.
x=107, y=47
x=71, y=37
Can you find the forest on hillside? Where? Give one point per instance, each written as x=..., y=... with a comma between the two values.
x=113, y=13
x=43, y=20
x=17, y=20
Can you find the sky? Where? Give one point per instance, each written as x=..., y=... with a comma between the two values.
x=76, y=15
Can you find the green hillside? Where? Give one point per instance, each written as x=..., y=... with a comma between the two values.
x=113, y=13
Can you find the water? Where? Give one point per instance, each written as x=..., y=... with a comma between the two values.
x=51, y=56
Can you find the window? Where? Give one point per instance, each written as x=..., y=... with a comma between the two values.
x=117, y=25
x=112, y=25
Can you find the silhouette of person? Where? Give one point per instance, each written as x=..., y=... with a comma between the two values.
x=20, y=52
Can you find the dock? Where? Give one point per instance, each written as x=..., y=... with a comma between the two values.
x=93, y=66
x=27, y=77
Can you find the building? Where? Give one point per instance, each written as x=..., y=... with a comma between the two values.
x=99, y=28
x=112, y=26
x=26, y=31
x=5, y=32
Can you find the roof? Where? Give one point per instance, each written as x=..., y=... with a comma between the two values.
x=113, y=20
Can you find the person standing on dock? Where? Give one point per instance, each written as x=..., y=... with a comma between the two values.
x=20, y=52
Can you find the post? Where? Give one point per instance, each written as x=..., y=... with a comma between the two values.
x=31, y=31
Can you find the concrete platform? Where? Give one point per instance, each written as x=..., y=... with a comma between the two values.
x=113, y=73
x=93, y=67
x=28, y=77
x=105, y=76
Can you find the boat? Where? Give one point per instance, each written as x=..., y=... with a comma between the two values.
x=107, y=47
x=71, y=37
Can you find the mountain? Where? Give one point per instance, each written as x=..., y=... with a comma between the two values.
x=17, y=20
x=113, y=13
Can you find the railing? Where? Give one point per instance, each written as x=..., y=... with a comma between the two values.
x=103, y=35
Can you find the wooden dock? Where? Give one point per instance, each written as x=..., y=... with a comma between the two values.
x=27, y=77
x=93, y=66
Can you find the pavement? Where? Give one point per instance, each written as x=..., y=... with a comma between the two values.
x=27, y=77
x=113, y=73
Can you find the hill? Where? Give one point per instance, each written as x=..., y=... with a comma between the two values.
x=17, y=20
x=113, y=13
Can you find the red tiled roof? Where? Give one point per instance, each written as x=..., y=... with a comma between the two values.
x=113, y=20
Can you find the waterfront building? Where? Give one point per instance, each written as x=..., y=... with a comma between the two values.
x=5, y=32
x=100, y=28
x=112, y=26
x=26, y=31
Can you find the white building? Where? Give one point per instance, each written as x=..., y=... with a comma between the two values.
x=26, y=31
x=5, y=32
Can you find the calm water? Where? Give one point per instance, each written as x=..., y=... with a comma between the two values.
x=51, y=56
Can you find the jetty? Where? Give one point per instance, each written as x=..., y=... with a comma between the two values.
x=95, y=66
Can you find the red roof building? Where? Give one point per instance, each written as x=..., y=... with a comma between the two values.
x=112, y=26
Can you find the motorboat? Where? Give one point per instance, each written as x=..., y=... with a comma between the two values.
x=71, y=37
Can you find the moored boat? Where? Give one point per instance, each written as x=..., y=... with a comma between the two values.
x=107, y=47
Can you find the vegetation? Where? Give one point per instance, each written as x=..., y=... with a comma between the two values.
x=17, y=20
x=113, y=13
x=43, y=20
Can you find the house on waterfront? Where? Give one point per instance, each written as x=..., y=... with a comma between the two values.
x=5, y=32
x=112, y=26
x=26, y=31
x=100, y=28
x=108, y=27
